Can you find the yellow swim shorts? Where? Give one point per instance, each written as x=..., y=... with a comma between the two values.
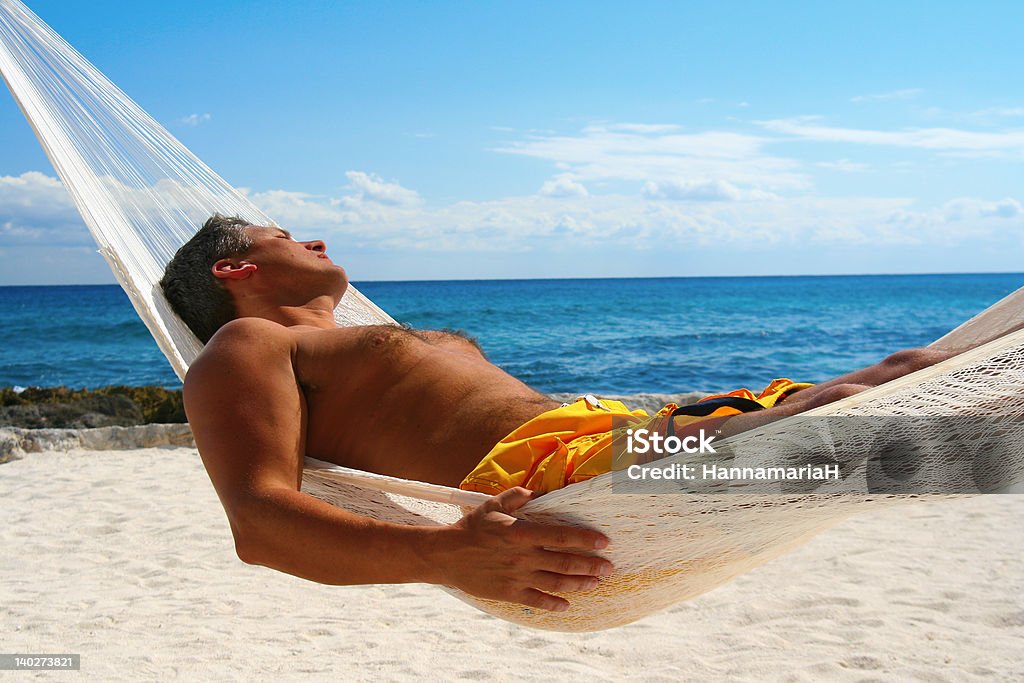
x=573, y=443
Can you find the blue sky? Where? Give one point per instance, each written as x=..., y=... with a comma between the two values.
x=518, y=139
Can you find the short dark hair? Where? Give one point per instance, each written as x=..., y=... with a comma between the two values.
x=190, y=287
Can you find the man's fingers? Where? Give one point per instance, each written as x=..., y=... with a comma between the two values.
x=561, y=583
x=509, y=501
x=532, y=597
x=572, y=565
x=553, y=536
x=525, y=562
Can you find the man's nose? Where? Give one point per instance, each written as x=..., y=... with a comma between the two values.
x=315, y=245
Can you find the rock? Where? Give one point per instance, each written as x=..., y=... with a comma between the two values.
x=15, y=442
x=60, y=407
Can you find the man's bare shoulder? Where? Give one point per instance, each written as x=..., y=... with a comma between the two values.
x=246, y=330
x=246, y=410
x=241, y=345
x=244, y=404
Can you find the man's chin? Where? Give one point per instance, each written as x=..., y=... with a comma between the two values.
x=342, y=280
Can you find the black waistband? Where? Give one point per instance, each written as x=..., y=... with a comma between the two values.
x=704, y=408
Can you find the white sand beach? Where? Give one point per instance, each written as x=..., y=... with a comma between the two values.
x=125, y=557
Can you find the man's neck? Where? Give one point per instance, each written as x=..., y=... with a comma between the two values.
x=318, y=313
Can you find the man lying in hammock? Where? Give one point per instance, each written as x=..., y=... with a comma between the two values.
x=278, y=380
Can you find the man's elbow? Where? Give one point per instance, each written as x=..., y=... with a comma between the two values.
x=247, y=545
x=248, y=528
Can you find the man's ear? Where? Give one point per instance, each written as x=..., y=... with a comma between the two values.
x=227, y=269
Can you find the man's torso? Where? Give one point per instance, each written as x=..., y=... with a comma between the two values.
x=416, y=405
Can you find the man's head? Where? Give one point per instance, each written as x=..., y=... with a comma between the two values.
x=189, y=284
x=230, y=264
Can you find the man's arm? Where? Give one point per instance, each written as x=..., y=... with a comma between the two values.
x=248, y=416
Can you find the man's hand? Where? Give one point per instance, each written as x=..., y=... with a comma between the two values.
x=490, y=554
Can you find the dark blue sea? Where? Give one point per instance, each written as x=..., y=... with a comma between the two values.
x=613, y=335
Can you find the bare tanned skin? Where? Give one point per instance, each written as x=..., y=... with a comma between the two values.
x=282, y=381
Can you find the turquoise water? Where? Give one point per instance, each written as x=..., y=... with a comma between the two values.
x=614, y=335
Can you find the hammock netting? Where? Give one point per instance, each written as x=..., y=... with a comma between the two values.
x=142, y=194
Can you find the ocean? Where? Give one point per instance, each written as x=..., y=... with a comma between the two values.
x=621, y=336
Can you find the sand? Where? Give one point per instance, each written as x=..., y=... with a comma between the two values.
x=125, y=558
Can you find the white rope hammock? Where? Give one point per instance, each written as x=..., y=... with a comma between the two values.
x=142, y=194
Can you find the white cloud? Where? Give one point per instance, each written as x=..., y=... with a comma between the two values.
x=700, y=189
x=906, y=94
x=368, y=187
x=641, y=153
x=563, y=186
x=194, y=119
x=302, y=209
x=989, y=116
x=949, y=140
x=620, y=186
x=963, y=220
x=996, y=112
x=1004, y=208
x=36, y=209
x=715, y=213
